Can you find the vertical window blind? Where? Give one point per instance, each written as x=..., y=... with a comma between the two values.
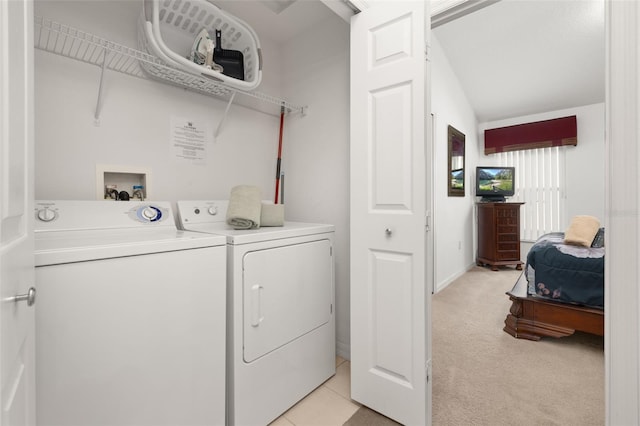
x=540, y=184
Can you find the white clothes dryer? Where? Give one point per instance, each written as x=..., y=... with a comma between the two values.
x=280, y=311
x=130, y=322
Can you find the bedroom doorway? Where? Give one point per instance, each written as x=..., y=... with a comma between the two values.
x=461, y=54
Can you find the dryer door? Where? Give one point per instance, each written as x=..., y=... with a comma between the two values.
x=287, y=293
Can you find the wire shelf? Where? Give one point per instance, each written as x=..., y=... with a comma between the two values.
x=60, y=39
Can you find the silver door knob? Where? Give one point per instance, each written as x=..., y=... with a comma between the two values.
x=388, y=231
x=30, y=297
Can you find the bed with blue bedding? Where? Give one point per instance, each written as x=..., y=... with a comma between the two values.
x=566, y=273
x=560, y=291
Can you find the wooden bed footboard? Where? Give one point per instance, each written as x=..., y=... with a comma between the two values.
x=532, y=318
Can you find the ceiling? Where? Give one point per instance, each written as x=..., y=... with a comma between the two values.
x=521, y=57
x=296, y=17
x=512, y=58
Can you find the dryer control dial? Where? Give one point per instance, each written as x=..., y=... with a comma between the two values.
x=46, y=214
x=213, y=210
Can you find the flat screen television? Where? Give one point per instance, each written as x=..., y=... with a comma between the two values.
x=494, y=183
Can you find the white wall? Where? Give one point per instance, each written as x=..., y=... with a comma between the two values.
x=454, y=217
x=585, y=166
x=134, y=128
x=315, y=72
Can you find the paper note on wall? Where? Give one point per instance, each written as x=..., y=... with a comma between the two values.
x=189, y=139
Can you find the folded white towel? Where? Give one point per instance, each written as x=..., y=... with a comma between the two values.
x=272, y=215
x=245, y=206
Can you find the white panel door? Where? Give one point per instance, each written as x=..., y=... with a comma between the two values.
x=16, y=203
x=390, y=277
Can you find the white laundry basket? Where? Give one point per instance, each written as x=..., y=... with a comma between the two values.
x=169, y=28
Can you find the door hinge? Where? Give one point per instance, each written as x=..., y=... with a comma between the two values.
x=331, y=308
x=427, y=221
x=428, y=371
x=426, y=51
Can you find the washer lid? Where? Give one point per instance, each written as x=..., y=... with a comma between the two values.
x=267, y=233
x=56, y=247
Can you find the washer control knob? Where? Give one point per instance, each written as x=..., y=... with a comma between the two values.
x=149, y=213
x=46, y=215
x=213, y=210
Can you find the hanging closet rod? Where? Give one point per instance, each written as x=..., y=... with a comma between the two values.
x=54, y=37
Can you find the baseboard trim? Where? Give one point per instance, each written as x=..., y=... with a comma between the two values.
x=343, y=350
x=444, y=284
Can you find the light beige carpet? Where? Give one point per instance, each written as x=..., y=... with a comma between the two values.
x=483, y=376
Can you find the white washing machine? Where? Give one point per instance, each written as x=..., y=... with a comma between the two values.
x=130, y=322
x=280, y=311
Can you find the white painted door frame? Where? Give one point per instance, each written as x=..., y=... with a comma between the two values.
x=622, y=214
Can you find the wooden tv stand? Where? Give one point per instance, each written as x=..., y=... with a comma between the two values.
x=499, y=234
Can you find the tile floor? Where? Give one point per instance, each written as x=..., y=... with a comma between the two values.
x=328, y=405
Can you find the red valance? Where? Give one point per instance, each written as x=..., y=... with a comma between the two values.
x=540, y=134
